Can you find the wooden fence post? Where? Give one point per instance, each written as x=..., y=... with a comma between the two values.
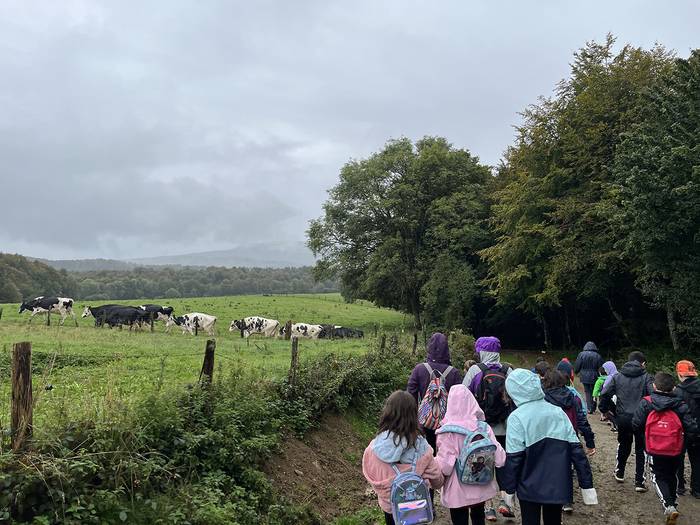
x=196, y=326
x=292, y=379
x=394, y=344
x=0, y=312
x=382, y=345
x=415, y=343
x=48, y=317
x=288, y=330
x=207, y=373
x=22, y=404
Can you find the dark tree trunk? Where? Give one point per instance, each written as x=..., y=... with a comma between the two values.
x=545, y=328
x=620, y=323
x=672, y=327
x=567, y=328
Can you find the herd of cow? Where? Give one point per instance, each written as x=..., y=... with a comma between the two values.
x=114, y=315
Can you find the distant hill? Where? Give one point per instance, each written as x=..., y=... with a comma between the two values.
x=88, y=265
x=23, y=278
x=252, y=255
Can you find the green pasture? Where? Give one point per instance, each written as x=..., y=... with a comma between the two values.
x=97, y=374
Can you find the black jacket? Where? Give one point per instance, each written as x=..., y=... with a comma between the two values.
x=689, y=391
x=588, y=363
x=565, y=399
x=630, y=385
x=664, y=401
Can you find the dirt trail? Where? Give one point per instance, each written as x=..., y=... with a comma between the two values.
x=324, y=471
x=618, y=504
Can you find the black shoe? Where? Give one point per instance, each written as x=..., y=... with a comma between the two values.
x=640, y=487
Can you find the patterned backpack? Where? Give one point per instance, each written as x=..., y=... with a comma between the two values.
x=410, y=497
x=433, y=406
x=476, y=462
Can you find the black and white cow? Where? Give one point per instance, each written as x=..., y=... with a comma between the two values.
x=255, y=325
x=189, y=322
x=159, y=312
x=125, y=315
x=339, y=332
x=310, y=331
x=44, y=305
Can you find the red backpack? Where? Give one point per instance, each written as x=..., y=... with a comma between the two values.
x=663, y=433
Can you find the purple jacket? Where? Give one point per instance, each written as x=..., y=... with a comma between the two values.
x=439, y=359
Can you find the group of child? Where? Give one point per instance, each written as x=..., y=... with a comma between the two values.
x=498, y=432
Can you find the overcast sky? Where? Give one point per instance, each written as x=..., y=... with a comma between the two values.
x=132, y=129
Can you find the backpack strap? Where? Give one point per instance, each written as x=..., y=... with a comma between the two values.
x=483, y=367
x=413, y=463
x=445, y=374
x=429, y=369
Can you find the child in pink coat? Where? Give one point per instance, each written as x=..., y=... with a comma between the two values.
x=463, y=411
x=399, y=442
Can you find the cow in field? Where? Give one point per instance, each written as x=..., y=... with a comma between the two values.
x=310, y=331
x=339, y=332
x=125, y=315
x=46, y=305
x=255, y=325
x=160, y=313
x=100, y=313
x=189, y=322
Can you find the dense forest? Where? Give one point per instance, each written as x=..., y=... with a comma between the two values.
x=589, y=227
x=21, y=278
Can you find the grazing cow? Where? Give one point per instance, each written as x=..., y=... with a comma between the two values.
x=256, y=325
x=189, y=322
x=45, y=305
x=339, y=332
x=100, y=313
x=126, y=315
x=311, y=331
x=160, y=313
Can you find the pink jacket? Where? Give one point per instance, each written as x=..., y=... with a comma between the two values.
x=464, y=411
x=383, y=451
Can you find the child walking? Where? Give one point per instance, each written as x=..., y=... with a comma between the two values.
x=665, y=420
x=464, y=416
x=607, y=372
x=541, y=447
x=399, y=444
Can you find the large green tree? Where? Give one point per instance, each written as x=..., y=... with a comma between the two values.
x=657, y=172
x=402, y=226
x=556, y=247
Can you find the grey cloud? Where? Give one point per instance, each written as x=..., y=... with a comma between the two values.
x=165, y=127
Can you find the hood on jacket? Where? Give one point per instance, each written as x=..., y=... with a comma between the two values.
x=632, y=369
x=438, y=350
x=462, y=409
x=610, y=370
x=523, y=386
x=386, y=449
x=560, y=396
x=564, y=366
x=664, y=401
x=488, y=350
x=590, y=346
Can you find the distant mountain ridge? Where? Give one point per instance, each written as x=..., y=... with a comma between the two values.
x=251, y=255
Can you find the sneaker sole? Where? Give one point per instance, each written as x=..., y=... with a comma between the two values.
x=640, y=489
x=619, y=480
x=672, y=518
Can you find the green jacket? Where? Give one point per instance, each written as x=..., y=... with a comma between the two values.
x=599, y=385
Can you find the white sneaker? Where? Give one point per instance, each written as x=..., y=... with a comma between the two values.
x=671, y=514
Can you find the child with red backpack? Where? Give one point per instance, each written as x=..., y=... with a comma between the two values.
x=665, y=420
x=468, y=455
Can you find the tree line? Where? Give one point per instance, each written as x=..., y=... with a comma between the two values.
x=22, y=278
x=588, y=227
